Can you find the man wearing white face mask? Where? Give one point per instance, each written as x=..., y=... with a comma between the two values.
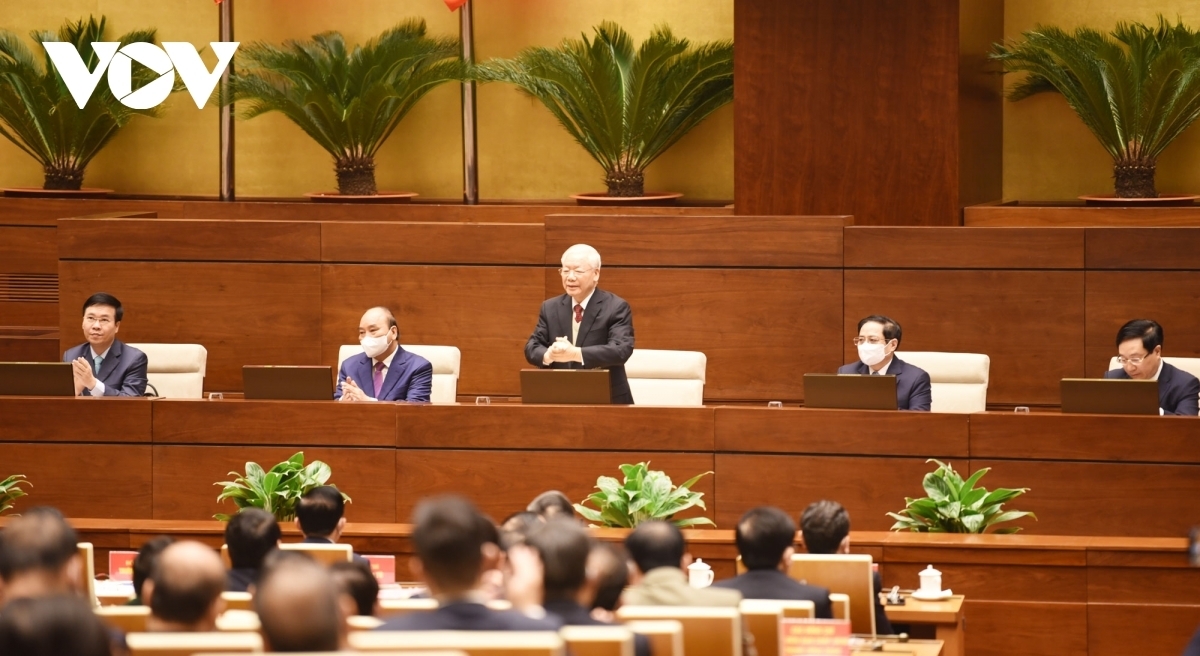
x=877, y=341
x=383, y=371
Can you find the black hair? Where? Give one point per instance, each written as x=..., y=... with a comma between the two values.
x=356, y=580
x=251, y=535
x=613, y=563
x=1146, y=330
x=564, y=546
x=551, y=503
x=101, y=298
x=144, y=562
x=824, y=525
x=516, y=528
x=52, y=626
x=656, y=544
x=319, y=511
x=763, y=535
x=448, y=537
x=891, y=329
x=39, y=540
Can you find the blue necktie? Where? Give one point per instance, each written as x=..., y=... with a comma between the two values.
x=96, y=365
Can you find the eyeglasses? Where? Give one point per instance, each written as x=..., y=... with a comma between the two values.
x=103, y=321
x=577, y=272
x=859, y=341
x=1135, y=360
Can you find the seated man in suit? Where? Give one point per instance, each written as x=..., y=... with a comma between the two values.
x=451, y=548
x=765, y=536
x=660, y=554
x=1139, y=348
x=104, y=365
x=301, y=608
x=825, y=528
x=585, y=328
x=383, y=371
x=184, y=589
x=251, y=535
x=320, y=516
x=877, y=341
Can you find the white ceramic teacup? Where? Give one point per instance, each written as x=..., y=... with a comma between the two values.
x=700, y=574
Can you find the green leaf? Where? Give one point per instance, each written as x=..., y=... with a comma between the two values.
x=643, y=495
x=954, y=505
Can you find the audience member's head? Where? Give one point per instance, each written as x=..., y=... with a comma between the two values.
x=251, y=535
x=765, y=538
x=551, y=503
x=608, y=566
x=54, y=625
x=656, y=544
x=449, y=540
x=184, y=589
x=144, y=562
x=516, y=528
x=39, y=556
x=825, y=526
x=563, y=546
x=357, y=582
x=319, y=513
x=300, y=607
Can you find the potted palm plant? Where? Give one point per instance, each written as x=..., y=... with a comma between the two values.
x=624, y=105
x=10, y=491
x=1136, y=89
x=39, y=116
x=347, y=100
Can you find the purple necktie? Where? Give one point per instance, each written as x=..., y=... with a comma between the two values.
x=378, y=378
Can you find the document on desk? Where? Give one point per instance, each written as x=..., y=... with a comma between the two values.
x=802, y=637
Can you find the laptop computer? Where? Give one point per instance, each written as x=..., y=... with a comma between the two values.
x=850, y=391
x=287, y=383
x=566, y=386
x=36, y=379
x=1108, y=396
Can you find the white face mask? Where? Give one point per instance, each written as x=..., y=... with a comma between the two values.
x=872, y=354
x=375, y=346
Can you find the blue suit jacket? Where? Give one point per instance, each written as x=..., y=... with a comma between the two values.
x=1178, y=391
x=123, y=370
x=410, y=378
x=466, y=616
x=913, y=390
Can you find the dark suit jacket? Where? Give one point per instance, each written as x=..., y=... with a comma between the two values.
x=314, y=540
x=410, y=378
x=1193, y=647
x=572, y=614
x=774, y=584
x=1178, y=391
x=467, y=616
x=913, y=390
x=240, y=579
x=882, y=625
x=123, y=370
x=605, y=336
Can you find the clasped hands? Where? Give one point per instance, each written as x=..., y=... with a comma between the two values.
x=562, y=351
x=81, y=371
x=352, y=392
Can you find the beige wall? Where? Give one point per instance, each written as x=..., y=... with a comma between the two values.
x=1048, y=153
x=523, y=152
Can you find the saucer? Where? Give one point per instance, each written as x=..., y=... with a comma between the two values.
x=931, y=596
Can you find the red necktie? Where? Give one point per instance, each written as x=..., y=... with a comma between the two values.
x=578, y=314
x=378, y=378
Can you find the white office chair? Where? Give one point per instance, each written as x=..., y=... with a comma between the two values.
x=670, y=378
x=446, y=361
x=959, y=381
x=175, y=371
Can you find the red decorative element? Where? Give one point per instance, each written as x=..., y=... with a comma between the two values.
x=452, y=5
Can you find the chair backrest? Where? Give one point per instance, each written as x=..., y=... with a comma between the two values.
x=363, y=622
x=665, y=636
x=126, y=619
x=848, y=574
x=238, y=620
x=406, y=606
x=474, y=643
x=175, y=370
x=707, y=631
x=326, y=554
x=87, y=572
x=672, y=378
x=238, y=600
x=186, y=644
x=598, y=640
x=959, y=381
x=761, y=618
x=446, y=361
x=840, y=605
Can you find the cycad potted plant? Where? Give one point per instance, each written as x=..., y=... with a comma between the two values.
x=1136, y=89
x=347, y=100
x=645, y=494
x=276, y=491
x=624, y=105
x=957, y=506
x=39, y=116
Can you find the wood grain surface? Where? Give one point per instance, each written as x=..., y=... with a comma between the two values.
x=796, y=430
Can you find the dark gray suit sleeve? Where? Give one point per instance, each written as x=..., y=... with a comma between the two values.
x=921, y=398
x=539, y=341
x=1190, y=403
x=134, y=381
x=620, y=341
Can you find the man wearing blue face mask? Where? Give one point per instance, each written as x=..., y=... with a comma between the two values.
x=383, y=371
x=877, y=341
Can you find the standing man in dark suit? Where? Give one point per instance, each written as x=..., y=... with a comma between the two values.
x=1139, y=349
x=585, y=328
x=104, y=365
x=765, y=539
x=877, y=341
x=383, y=371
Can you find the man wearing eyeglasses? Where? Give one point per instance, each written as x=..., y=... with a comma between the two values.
x=104, y=365
x=585, y=328
x=1139, y=349
x=877, y=341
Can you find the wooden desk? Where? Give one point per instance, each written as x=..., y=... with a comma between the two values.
x=914, y=647
x=946, y=617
